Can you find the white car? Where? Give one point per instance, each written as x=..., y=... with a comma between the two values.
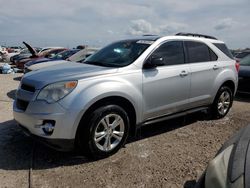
x=3, y=53
x=9, y=55
x=83, y=54
x=3, y=50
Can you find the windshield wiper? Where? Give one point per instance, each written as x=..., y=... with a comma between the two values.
x=94, y=63
x=98, y=63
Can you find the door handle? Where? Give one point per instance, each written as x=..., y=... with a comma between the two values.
x=183, y=73
x=215, y=67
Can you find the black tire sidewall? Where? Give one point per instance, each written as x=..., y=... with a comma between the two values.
x=215, y=111
x=86, y=136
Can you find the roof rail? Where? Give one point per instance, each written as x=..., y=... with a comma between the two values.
x=149, y=35
x=196, y=35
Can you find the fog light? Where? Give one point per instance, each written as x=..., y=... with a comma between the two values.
x=48, y=127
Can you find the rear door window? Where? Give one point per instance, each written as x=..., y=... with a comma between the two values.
x=199, y=52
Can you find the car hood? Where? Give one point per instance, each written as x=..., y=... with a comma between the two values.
x=46, y=64
x=244, y=71
x=64, y=71
x=32, y=50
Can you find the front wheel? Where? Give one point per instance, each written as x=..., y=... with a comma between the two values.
x=222, y=102
x=105, y=132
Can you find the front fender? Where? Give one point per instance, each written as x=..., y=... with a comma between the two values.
x=88, y=93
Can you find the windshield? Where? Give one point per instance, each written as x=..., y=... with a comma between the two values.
x=119, y=54
x=245, y=61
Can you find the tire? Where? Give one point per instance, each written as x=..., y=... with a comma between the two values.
x=222, y=103
x=97, y=137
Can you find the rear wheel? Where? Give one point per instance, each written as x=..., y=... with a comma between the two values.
x=105, y=132
x=222, y=102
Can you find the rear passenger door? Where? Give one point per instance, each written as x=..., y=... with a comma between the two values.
x=166, y=87
x=204, y=69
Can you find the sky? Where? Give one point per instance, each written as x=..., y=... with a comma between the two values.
x=96, y=23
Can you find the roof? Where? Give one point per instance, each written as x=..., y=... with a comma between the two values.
x=145, y=37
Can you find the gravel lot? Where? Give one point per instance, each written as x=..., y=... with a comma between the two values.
x=162, y=155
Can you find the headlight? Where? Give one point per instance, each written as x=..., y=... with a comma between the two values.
x=56, y=91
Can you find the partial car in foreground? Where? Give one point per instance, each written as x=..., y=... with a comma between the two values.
x=230, y=168
x=96, y=105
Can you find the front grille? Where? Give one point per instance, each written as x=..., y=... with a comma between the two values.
x=21, y=104
x=28, y=88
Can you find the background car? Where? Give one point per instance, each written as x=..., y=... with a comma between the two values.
x=244, y=75
x=3, y=53
x=80, y=56
x=242, y=54
x=47, y=53
x=83, y=54
x=25, y=53
x=60, y=56
x=47, y=48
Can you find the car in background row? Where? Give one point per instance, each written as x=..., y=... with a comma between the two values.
x=244, y=75
x=28, y=52
x=60, y=56
x=25, y=53
x=47, y=54
x=47, y=48
x=3, y=50
x=14, y=49
x=77, y=57
x=242, y=54
x=83, y=54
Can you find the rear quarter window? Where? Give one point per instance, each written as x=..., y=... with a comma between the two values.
x=224, y=49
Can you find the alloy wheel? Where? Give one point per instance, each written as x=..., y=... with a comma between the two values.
x=224, y=102
x=109, y=132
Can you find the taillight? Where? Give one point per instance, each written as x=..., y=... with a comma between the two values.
x=237, y=65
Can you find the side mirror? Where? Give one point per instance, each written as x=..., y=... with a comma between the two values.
x=153, y=62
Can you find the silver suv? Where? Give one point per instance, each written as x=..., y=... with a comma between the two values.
x=95, y=105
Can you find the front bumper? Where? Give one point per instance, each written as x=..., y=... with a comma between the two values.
x=58, y=144
x=37, y=112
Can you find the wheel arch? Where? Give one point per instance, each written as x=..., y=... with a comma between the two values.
x=230, y=84
x=115, y=100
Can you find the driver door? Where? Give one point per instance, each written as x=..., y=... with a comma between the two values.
x=166, y=87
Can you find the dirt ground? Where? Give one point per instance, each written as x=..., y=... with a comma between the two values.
x=162, y=155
